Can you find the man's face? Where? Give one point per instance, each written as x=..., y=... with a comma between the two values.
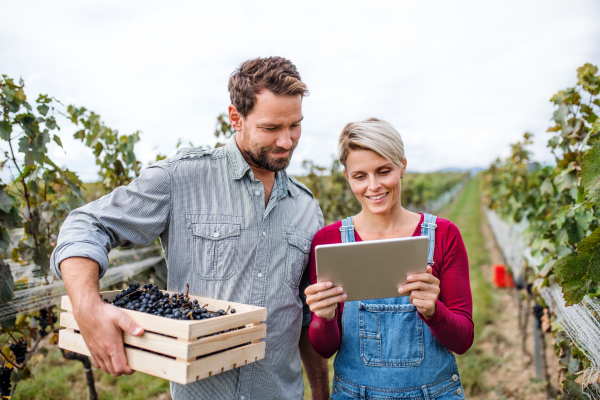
x=270, y=132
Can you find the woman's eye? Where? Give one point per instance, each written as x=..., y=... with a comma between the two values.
x=384, y=172
x=359, y=177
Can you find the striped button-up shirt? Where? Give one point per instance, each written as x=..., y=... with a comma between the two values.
x=209, y=211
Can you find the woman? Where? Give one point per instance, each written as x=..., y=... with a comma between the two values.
x=401, y=347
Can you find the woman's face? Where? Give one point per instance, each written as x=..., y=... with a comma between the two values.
x=374, y=180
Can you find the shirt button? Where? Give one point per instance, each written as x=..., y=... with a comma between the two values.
x=216, y=234
x=459, y=391
x=242, y=397
x=264, y=233
x=454, y=377
x=260, y=274
x=305, y=248
x=257, y=193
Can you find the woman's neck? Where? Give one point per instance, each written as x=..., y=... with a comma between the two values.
x=398, y=222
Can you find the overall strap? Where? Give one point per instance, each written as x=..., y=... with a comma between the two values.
x=347, y=230
x=428, y=229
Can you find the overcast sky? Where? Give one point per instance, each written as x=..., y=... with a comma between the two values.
x=460, y=80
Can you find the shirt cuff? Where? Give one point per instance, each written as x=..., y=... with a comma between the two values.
x=438, y=316
x=326, y=322
x=83, y=249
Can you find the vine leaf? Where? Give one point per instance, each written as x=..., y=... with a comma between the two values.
x=590, y=243
x=572, y=274
x=590, y=174
x=6, y=202
x=7, y=283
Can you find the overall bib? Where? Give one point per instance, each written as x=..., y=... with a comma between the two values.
x=386, y=352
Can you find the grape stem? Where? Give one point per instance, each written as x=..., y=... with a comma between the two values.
x=187, y=290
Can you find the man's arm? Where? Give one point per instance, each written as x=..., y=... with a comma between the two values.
x=315, y=367
x=100, y=324
x=132, y=215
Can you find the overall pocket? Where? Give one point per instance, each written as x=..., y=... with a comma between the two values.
x=298, y=250
x=391, y=335
x=215, y=249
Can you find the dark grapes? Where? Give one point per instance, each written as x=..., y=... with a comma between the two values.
x=5, y=381
x=19, y=349
x=44, y=319
x=151, y=300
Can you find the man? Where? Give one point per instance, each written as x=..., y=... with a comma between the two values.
x=232, y=224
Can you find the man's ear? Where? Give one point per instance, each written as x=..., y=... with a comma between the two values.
x=235, y=118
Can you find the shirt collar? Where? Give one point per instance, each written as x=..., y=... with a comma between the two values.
x=239, y=168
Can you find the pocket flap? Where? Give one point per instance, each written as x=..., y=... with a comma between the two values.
x=303, y=244
x=216, y=231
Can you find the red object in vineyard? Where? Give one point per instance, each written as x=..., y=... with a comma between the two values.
x=500, y=276
x=511, y=284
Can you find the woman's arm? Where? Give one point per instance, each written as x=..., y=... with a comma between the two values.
x=452, y=322
x=326, y=310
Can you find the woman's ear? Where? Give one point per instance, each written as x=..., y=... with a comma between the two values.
x=346, y=175
x=403, y=168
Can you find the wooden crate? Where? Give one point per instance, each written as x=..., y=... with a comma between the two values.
x=188, y=350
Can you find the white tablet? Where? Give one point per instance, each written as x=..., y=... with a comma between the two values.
x=373, y=269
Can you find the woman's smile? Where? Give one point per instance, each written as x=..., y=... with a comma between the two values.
x=378, y=198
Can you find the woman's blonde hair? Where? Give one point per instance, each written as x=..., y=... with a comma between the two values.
x=372, y=134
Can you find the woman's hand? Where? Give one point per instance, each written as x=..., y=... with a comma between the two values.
x=424, y=290
x=323, y=299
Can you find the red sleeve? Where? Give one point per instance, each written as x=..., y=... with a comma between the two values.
x=324, y=334
x=452, y=323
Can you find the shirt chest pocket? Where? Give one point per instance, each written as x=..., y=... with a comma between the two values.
x=391, y=335
x=298, y=250
x=215, y=249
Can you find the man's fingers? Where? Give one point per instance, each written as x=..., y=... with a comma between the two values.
x=119, y=362
x=317, y=287
x=128, y=325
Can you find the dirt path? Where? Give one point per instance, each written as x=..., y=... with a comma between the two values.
x=513, y=375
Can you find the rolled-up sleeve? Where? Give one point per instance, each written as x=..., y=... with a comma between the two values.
x=130, y=216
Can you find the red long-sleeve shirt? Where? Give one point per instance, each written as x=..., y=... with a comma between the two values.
x=452, y=323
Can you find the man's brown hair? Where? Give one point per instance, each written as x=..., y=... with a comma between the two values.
x=276, y=74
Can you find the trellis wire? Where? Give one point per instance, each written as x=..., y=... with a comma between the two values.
x=579, y=322
x=36, y=294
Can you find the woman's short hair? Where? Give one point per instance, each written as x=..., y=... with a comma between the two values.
x=371, y=134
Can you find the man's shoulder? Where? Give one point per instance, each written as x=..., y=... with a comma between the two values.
x=301, y=186
x=194, y=153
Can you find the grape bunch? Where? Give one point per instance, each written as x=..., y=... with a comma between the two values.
x=44, y=320
x=5, y=381
x=19, y=349
x=150, y=300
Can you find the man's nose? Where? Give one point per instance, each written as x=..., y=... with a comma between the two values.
x=284, y=139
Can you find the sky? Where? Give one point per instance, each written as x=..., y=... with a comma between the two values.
x=459, y=80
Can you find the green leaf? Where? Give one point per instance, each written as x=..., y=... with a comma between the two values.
x=571, y=275
x=590, y=174
x=574, y=389
x=6, y=202
x=593, y=273
x=590, y=244
x=43, y=109
x=80, y=135
x=7, y=283
x=57, y=140
x=5, y=130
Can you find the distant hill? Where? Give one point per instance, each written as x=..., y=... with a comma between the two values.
x=473, y=170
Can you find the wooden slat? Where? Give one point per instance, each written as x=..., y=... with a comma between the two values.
x=173, y=370
x=183, y=349
x=221, y=362
x=191, y=330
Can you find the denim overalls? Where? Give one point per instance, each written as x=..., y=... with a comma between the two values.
x=387, y=352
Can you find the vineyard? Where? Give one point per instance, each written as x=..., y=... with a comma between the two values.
x=542, y=219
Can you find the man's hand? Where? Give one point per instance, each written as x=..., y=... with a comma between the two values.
x=100, y=324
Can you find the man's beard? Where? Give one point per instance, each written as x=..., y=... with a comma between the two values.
x=262, y=159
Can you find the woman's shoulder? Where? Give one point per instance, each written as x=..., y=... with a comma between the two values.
x=445, y=225
x=328, y=234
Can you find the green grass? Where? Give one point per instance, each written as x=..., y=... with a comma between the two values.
x=57, y=378
x=468, y=216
